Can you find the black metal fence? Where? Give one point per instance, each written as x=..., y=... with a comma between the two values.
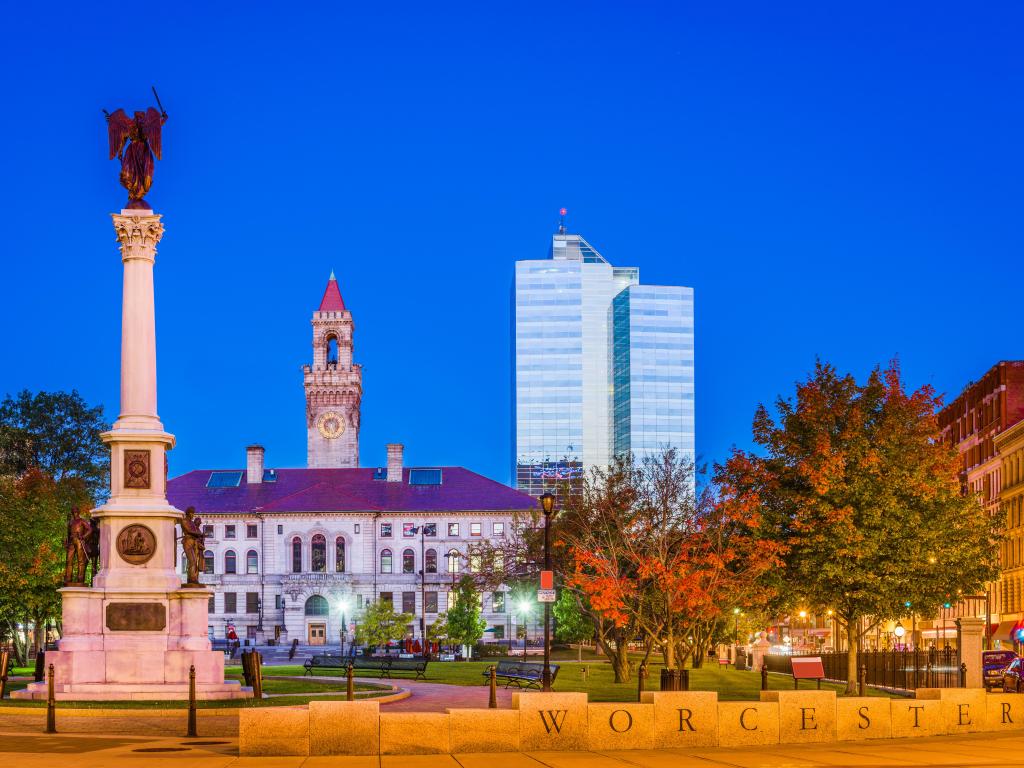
x=901, y=670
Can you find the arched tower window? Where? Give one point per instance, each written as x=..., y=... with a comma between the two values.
x=318, y=554
x=453, y=561
x=316, y=605
x=385, y=561
x=332, y=349
x=408, y=561
x=252, y=562
x=208, y=561
x=230, y=564
x=431, y=561
x=339, y=555
x=296, y=555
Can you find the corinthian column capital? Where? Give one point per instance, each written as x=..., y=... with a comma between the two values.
x=138, y=234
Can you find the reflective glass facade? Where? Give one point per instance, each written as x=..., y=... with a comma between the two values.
x=599, y=362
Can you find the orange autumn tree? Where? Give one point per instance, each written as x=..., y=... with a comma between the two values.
x=853, y=482
x=656, y=560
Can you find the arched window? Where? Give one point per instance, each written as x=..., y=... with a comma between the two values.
x=453, y=561
x=332, y=349
x=208, y=561
x=385, y=561
x=252, y=562
x=408, y=562
x=230, y=566
x=316, y=605
x=431, y=561
x=318, y=554
x=296, y=555
x=339, y=554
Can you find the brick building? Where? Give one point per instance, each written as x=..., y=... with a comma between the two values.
x=972, y=422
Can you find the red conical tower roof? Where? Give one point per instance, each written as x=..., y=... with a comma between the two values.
x=332, y=301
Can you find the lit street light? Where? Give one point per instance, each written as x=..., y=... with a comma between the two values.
x=523, y=609
x=344, y=607
x=547, y=502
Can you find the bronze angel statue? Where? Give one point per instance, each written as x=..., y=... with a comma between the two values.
x=141, y=133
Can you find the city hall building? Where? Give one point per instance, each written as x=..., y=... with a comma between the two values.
x=298, y=553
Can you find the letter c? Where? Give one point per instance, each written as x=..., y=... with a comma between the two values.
x=743, y=722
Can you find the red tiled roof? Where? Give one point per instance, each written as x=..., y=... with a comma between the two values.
x=332, y=301
x=347, y=490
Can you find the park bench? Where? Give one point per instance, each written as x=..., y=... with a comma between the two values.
x=416, y=666
x=330, y=661
x=522, y=672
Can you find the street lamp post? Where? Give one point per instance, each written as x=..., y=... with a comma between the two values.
x=547, y=502
x=524, y=612
x=422, y=530
x=344, y=608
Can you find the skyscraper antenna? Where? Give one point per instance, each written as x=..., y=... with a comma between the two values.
x=561, y=221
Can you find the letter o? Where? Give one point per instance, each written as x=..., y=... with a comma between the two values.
x=629, y=722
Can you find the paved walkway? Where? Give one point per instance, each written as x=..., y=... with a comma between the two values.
x=988, y=749
x=425, y=697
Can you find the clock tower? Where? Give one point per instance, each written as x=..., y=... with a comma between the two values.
x=334, y=386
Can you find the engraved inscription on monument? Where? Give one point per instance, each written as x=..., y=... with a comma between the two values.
x=136, y=544
x=136, y=469
x=136, y=617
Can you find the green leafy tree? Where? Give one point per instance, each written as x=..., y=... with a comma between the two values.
x=380, y=624
x=33, y=522
x=856, y=487
x=465, y=625
x=60, y=433
x=572, y=625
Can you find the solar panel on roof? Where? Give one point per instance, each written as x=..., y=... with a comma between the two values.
x=424, y=477
x=269, y=475
x=224, y=479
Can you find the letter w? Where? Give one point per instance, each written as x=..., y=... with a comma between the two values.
x=553, y=718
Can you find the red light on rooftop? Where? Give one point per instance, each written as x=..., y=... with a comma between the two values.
x=562, y=211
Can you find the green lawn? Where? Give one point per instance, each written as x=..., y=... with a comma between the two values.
x=600, y=685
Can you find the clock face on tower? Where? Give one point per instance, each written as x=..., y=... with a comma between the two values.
x=330, y=424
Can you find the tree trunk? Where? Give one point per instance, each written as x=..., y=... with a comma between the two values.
x=853, y=645
x=621, y=663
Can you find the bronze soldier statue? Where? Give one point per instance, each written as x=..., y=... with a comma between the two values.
x=75, y=549
x=193, y=542
x=142, y=135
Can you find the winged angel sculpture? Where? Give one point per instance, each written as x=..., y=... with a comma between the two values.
x=141, y=134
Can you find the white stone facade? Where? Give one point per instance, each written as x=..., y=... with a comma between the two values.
x=255, y=554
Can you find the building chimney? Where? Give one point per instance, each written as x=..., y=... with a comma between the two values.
x=395, y=462
x=254, y=464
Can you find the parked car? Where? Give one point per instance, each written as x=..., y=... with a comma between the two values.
x=1008, y=678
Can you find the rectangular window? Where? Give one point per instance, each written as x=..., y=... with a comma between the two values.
x=277, y=602
x=229, y=531
x=475, y=562
x=387, y=598
x=252, y=602
x=250, y=531
x=430, y=529
x=498, y=602
x=357, y=527
x=407, y=530
x=385, y=530
x=453, y=529
x=208, y=531
x=498, y=529
x=280, y=530
x=211, y=606
x=431, y=599
x=408, y=602
x=230, y=602
x=359, y=602
x=250, y=631
x=475, y=529
x=499, y=632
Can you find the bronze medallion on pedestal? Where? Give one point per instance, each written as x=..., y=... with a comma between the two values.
x=136, y=544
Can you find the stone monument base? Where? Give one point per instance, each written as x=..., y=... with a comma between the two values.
x=134, y=645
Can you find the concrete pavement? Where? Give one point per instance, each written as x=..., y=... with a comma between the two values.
x=89, y=751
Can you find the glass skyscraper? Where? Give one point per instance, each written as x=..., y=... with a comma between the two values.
x=601, y=365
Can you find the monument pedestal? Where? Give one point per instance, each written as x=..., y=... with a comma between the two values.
x=136, y=632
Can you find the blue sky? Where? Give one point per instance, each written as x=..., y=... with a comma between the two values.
x=842, y=181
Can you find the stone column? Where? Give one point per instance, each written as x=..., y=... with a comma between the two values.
x=137, y=514
x=969, y=635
